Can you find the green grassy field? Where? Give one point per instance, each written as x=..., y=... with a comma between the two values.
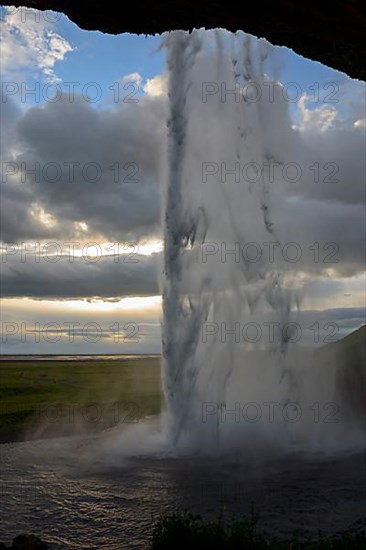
x=48, y=398
x=45, y=398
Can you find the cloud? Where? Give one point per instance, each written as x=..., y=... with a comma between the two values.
x=156, y=86
x=102, y=167
x=65, y=277
x=319, y=119
x=361, y=123
x=31, y=43
x=132, y=77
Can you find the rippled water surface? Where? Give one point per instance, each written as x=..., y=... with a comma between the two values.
x=77, y=493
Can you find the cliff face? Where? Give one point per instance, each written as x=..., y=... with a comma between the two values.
x=332, y=33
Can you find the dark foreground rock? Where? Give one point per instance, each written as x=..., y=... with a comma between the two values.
x=26, y=542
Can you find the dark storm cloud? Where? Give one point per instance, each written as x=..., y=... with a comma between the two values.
x=328, y=234
x=107, y=277
x=102, y=167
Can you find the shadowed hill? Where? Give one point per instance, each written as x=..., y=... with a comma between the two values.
x=348, y=356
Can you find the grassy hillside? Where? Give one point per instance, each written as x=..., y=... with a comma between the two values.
x=355, y=342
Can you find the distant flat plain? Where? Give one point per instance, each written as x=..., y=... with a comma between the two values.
x=45, y=396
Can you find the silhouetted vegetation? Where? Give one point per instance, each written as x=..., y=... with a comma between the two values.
x=184, y=530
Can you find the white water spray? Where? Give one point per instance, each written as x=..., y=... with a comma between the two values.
x=218, y=214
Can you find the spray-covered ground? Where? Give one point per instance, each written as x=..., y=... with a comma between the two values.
x=88, y=493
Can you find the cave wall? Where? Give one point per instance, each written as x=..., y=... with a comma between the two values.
x=330, y=32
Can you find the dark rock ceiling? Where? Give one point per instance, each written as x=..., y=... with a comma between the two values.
x=330, y=32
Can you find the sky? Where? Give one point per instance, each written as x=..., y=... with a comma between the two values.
x=83, y=137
